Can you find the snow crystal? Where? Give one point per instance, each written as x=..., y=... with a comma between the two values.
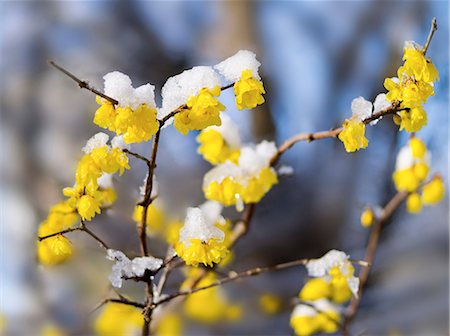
x=285, y=170
x=98, y=140
x=221, y=171
x=303, y=310
x=118, y=86
x=229, y=131
x=412, y=45
x=361, y=108
x=118, y=142
x=125, y=267
x=233, y=66
x=320, y=267
x=196, y=225
x=105, y=181
x=140, y=264
x=177, y=89
x=380, y=104
x=212, y=212
x=252, y=160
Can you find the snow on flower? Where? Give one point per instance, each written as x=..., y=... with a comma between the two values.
x=232, y=67
x=361, y=109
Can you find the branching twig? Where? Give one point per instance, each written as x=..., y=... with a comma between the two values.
x=81, y=83
x=233, y=276
x=430, y=35
x=81, y=227
x=137, y=156
x=121, y=300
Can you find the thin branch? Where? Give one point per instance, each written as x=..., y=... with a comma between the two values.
x=371, y=249
x=81, y=83
x=233, y=276
x=430, y=35
x=121, y=300
x=137, y=156
x=93, y=235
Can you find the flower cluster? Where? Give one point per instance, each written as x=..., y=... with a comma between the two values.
x=412, y=87
x=201, y=239
x=207, y=306
x=411, y=170
x=119, y=319
x=333, y=282
x=135, y=115
x=245, y=182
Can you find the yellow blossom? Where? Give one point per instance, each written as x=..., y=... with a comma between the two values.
x=51, y=330
x=53, y=250
x=169, y=325
x=413, y=120
x=198, y=252
x=433, y=192
x=418, y=66
x=172, y=232
x=353, y=136
x=248, y=91
x=155, y=217
x=119, y=319
x=105, y=115
x=340, y=289
x=224, y=192
x=209, y=305
x=367, y=217
x=304, y=325
x=406, y=180
x=107, y=197
x=314, y=289
x=258, y=186
x=414, y=203
x=88, y=206
x=215, y=149
x=270, y=303
x=202, y=111
x=418, y=148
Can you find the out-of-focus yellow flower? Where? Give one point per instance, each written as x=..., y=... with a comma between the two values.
x=414, y=203
x=53, y=250
x=51, y=330
x=209, y=305
x=367, y=217
x=169, y=325
x=353, y=135
x=202, y=110
x=248, y=91
x=155, y=217
x=306, y=320
x=433, y=192
x=270, y=303
x=172, y=232
x=314, y=289
x=215, y=149
x=119, y=319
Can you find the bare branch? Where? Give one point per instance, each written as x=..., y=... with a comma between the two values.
x=430, y=35
x=137, y=156
x=81, y=83
x=233, y=276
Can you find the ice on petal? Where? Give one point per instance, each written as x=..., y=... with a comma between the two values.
x=98, y=140
x=320, y=267
x=361, y=108
x=380, y=104
x=118, y=142
x=140, y=264
x=229, y=131
x=222, y=171
x=303, y=310
x=212, y=211
x=232, y=67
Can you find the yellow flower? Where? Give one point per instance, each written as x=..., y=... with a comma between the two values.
x=353, y=136
x=51, y=330
x=258, y=186
x=306, y=320
x=105, y=115
x=202, y=111
x=433, y=192
x=209, y=305
x=169, y=325
x=224, y=192
x=418, y=148
x=314, y=289
x=155, y=217
x=62, y=216
x=304, y=325
x=406, y=180
x=88, y=206
x=248, y=91
x=413, y=120
x=367, y=217
x=107, y=197
x=136, y=125
x=87, y=171
x=199, y=252
x=215, y=149
x=270, y=303
x=418, y=66
x=172, y=232
x=119, y=319
x=413, y=203
x=328, y=321
x=53, y=250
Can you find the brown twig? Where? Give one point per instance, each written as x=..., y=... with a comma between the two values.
x=81, y=227
x=121, y=300
x=81, y=83
x=137, y=156
x=233, y=276
x=430, y=35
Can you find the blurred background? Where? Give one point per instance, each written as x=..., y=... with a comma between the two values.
x=316, y=56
